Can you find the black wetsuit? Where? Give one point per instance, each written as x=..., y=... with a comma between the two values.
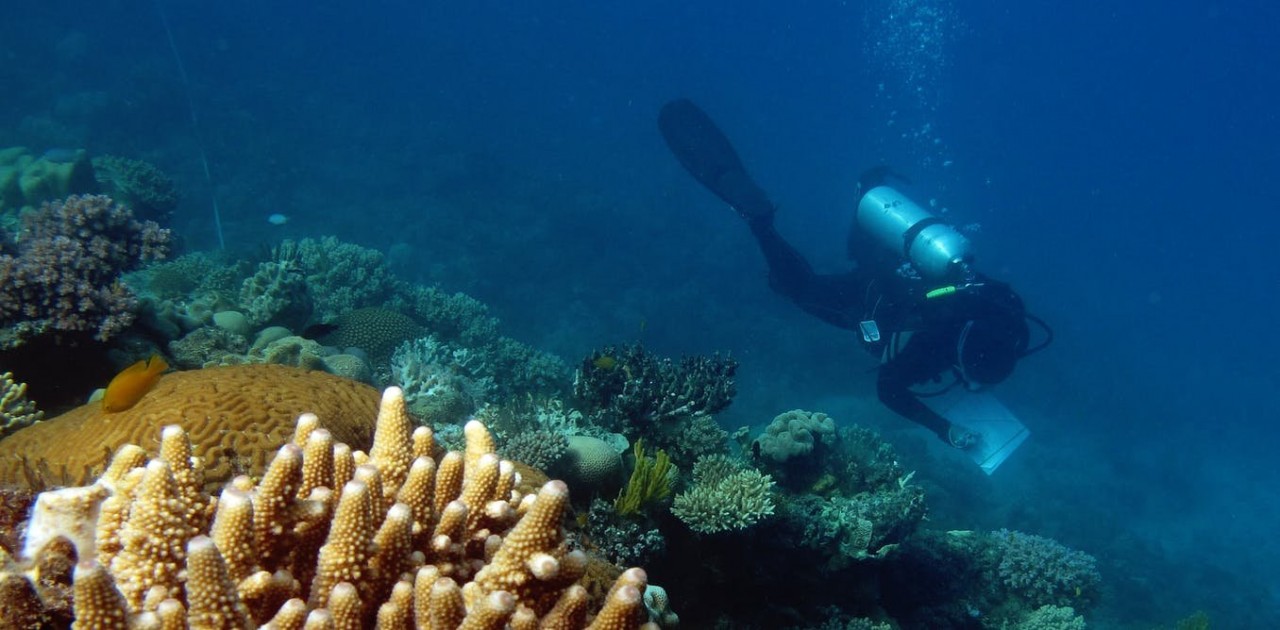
x=918, y=337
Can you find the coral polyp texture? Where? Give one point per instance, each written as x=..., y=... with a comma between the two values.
x=400, y=537
x=237, y=415
x=16, y=411
x=61, y=271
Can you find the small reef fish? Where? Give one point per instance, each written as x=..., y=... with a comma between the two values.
x=605, y=362
x=132, y=383
x=277, y=219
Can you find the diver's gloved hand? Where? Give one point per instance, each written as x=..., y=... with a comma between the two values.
x=708, y=155
x=962, y=438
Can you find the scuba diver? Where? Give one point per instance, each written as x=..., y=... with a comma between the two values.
x=913, y=296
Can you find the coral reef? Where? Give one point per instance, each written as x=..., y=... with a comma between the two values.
x=591, y=464
x=538, y=448
x=16, y=412
x=1050, y=618
x=61, y=273
x=409, y=538
x=795, y=434
x=723, y=499
x=276, y=295
x=702, y=435
x=205, y=347
x=441, y=382
x=1042, y=571
x=28, y=180
x=237, y=414
x=376, y=331
x=340, y=276
x=628, y=390
x=948, y=579
x=140, y=185
x=454, y=318
x=650, y=482
x=622, y=541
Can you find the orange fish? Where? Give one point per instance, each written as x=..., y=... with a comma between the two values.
x=130, y=385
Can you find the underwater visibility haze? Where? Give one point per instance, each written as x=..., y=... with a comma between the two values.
x=475, y=202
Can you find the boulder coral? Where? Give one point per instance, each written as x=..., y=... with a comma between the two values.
x=237, y=415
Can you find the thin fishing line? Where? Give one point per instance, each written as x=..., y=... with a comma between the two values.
x=195, y=123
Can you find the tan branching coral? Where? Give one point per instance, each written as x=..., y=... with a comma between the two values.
x=406, y=541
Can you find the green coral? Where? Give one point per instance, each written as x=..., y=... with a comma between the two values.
x=342, y=276
x=376, y=331
x=455, y=318
x=1049, y=618
x=147, y=190
x=796, y=434
x=27, y=180
x=16, y=411
x=540, y=449
x=714, y=504
x=650, y=481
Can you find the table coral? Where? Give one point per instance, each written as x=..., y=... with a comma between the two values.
x=511, y=565
x=238, y=415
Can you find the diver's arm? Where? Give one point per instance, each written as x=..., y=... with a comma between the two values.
x=893, y=386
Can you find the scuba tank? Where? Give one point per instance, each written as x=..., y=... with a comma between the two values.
x=936, y=250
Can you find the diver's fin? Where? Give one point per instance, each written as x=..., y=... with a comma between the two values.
x=709, y=156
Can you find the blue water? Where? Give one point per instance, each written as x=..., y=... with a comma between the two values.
x=1119, y=160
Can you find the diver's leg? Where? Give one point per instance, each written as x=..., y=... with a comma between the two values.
x=708, y=155
x=835, y=299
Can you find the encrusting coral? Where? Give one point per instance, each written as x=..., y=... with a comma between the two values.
x=331, y=537
x=237, y=416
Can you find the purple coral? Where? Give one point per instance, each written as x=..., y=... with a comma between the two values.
x=1044, y=571
x=61, y=272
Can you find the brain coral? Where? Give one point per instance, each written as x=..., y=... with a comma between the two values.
x=237, y=415
x=591, y=462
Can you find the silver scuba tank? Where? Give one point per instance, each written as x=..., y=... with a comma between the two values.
x=936, y=250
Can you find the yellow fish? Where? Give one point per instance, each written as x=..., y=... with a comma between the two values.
x=605, y=362
x=132, y=383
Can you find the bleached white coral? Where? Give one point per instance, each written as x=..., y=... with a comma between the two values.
x=434, y=374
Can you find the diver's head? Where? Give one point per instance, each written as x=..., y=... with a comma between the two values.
x=994, y=337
